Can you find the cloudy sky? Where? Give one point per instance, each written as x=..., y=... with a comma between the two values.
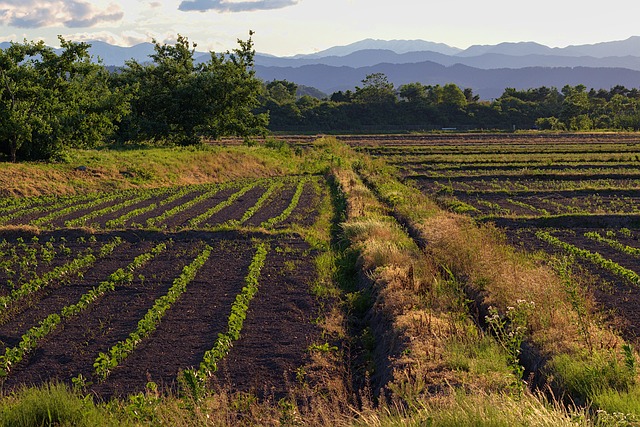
x=288, y=27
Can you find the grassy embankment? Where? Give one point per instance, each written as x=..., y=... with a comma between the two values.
x=436, y=321
x=86, y=171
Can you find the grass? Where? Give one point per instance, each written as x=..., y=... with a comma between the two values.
x=108, y=170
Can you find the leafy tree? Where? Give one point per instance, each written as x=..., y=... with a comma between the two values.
x=452, y=96
x=376, y=89
x=180, y=101
x=50, y=101
x=282, y=91
x=413, y=92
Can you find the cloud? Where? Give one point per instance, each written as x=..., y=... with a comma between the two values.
x=48, y=13
x=234, y=6
x=125, y=38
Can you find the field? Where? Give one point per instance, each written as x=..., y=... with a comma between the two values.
x=570, y=196
x=463, y=279
x=115, y=290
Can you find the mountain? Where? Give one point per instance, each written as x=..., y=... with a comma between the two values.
x=370, y=57
x=630, y=46
x=117, y=55
x=398, y=46
x=486, y=83
x=487, y=69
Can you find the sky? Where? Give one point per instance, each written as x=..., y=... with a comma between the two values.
x=290, y=27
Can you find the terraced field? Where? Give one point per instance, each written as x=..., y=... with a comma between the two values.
x=113, y=291
x=572, y=196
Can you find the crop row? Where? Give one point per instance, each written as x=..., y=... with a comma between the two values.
x=31, y=339
x=58, y=273
x=106, y=362
x=593, y=257
x=630, y=250
x=224, y=342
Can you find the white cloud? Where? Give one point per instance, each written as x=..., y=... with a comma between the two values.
x=48, y=13
x=125, y=38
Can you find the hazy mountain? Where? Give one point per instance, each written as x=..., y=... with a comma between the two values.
x=370, y=57
x=628, y=47
x=398, y=46
x=117, y=55
x=514, y=49
x=486, y=83
x=487, y=69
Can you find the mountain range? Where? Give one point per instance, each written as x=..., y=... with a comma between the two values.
x=487, y=69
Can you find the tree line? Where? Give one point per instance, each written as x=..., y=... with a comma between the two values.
x=51, y=101
x=377, y=105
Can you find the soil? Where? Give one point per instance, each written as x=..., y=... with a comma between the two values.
x=278, y=329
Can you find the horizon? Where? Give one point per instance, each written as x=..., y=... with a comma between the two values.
x=298, y=27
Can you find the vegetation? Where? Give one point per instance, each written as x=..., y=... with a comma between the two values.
x=419, y=315
x=378, y=106
x=52, y=102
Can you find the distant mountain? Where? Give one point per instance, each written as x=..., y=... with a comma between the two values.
x=630, y=46
x=370, y=57
x=487, y=69
x=118, y=55
x=398, y=46
x=486, y=83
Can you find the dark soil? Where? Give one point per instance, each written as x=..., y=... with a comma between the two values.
x=236, y=209
x=189, y=328
x=273, y=207
x=278, y=329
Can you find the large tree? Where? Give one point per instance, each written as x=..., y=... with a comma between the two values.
x=50, y=101
x=177, y=100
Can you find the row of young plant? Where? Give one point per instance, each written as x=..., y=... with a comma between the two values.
x=75, y=206
x=106, y=362
x=199, y=219
x=195, y=379
x=59, y=273
x=295, y=200
x=139, y=198
x=273, y=187
x=611, y=241
x=32, y=338
x=32, y=206
x=211, y=191
x=124, y=218
x=593, y=257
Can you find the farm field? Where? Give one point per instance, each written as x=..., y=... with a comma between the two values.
x=573, y=196
x=335, y=290
x=112, y=291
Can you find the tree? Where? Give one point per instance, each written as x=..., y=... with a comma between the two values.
x=180, y=101
x=413, y=92
x=282, y=91
x=453, y=97
x=376, y=89
x=50, y=101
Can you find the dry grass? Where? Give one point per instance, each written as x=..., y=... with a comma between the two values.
x=416, y=317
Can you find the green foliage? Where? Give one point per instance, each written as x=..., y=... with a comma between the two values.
x=589, y=376
x=179, y=101
x=50, y=101
x=49, y=405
